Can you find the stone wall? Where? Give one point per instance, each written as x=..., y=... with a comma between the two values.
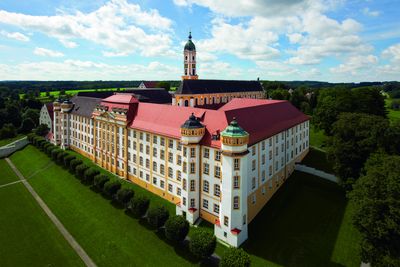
x=313, y=171
x=7, y=150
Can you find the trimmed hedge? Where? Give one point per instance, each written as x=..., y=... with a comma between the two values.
x=61, y=156
x=49, y=149
x=74, y=163
x=31, y=136
x=100, y=180
x=68, y=159
x=176, y=228
x=235, y=257
x=157, y=216
x=54, y=153
x=89, y=175
x=202, y=243
x=111, y=187
x=138, y=205
x=124, y=195
x=80, y=170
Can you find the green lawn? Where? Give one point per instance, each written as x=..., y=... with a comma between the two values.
x=393, y=115
x=317, y=138
x=70, y=92
x=108, y=235
x=28, y=237
x=7, y=141
x=7, y=174
x=307, y=223
x=317, y=159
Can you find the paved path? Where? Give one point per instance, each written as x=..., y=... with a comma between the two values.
x=79, y=250
x=4, y=185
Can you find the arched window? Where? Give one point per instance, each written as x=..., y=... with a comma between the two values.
x=186, y=103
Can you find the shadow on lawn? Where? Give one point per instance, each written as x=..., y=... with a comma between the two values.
x=300, y=224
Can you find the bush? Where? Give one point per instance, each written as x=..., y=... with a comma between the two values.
x=27, y=125
x=111, y=187
x=235, y=257
x=124, y=195
x=30, y=137
x=202, y=243
x=54, y=153
x=8, y=131
x=157, y=216
x=100, y=180
x=68, y=159
x=50, y=148
x=73, y=164
x=45, y=146
x=89, y=175
x=176, y=228
x=139, y=205
x=80, y=170
x=41, y=130
x=61, y=156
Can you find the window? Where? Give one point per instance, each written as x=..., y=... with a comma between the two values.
x=184, y=151
x=170, y=172
x=162, y=184
x=170, y=188
x=147, y=137
x=206, y=153
x=192, y=152
x=179, y=147
x=192, y=167
x=270, y=170
x=154, y=139
x=253, y=165
x=253, y=200
x=162, y=141
x=253, y=183
x=192, y=203
x=282, y=147
x=178, y=175
x=184, y=167
x=216, y=208
x=141, y=147
x=170, y=157
x=263, y=159
x=178, y=191
x=263, y=175
x=263, y=145
x=184, y=184
x=154, y=180
x=141, y=136
x=184, y=201
x=205, y=203
x=178, y=160
x=244, y=219
x=217, y=190
x=134, y=158
x=154, y=152
x=147, y=150
x=217, y=155
x=162, y=154
x=217, y=171
x=141, y=161
x=236, y=203
x=236, y=182
x=192, y=185
x=226, y=220
x=206, y=169
x=162, y=171
x=263, y=190
x=236, y=164
x=276, y=151
x=154, y=166
x=171, y=144
x=206, y=186
x=253, y=151
x=147, y=163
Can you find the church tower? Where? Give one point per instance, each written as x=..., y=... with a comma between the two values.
x=189, y=60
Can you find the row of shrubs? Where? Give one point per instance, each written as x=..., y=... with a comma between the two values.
x=202, y=243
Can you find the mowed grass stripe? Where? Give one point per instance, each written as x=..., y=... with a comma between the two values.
x=28, y=237
x=6, y=173
x=107, y=234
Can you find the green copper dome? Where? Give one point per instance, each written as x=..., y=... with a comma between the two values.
x=234, y=130
x=189, y=44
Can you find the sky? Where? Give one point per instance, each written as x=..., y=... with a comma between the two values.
x=324, y=40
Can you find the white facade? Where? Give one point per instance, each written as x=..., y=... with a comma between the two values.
x=45, y=118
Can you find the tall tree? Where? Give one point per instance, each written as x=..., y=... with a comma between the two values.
x=356, y=136
x=376, y=196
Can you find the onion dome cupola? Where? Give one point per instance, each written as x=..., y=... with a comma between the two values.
x=192, y=131
x=57, y=104
x=189, y=46
x=66, y=106
x=234, y=139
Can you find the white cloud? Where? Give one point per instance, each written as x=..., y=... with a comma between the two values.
x=356, y=65
x=366, y=11
x=86, y=70
x=118, y=25
x=47, y=52
x=15, y=35
x=68, y=44
x=392, y=52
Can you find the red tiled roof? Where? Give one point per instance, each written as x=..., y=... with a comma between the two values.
x=235, y=231
x=49, y=107
x=260, y=118
x=125, y=101
x=150, y=84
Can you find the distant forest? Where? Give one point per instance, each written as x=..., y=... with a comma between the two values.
x=391, y=87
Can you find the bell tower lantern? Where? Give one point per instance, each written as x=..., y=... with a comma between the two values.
x=189, y=60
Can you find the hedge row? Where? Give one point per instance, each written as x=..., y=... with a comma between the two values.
x=202, y=243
